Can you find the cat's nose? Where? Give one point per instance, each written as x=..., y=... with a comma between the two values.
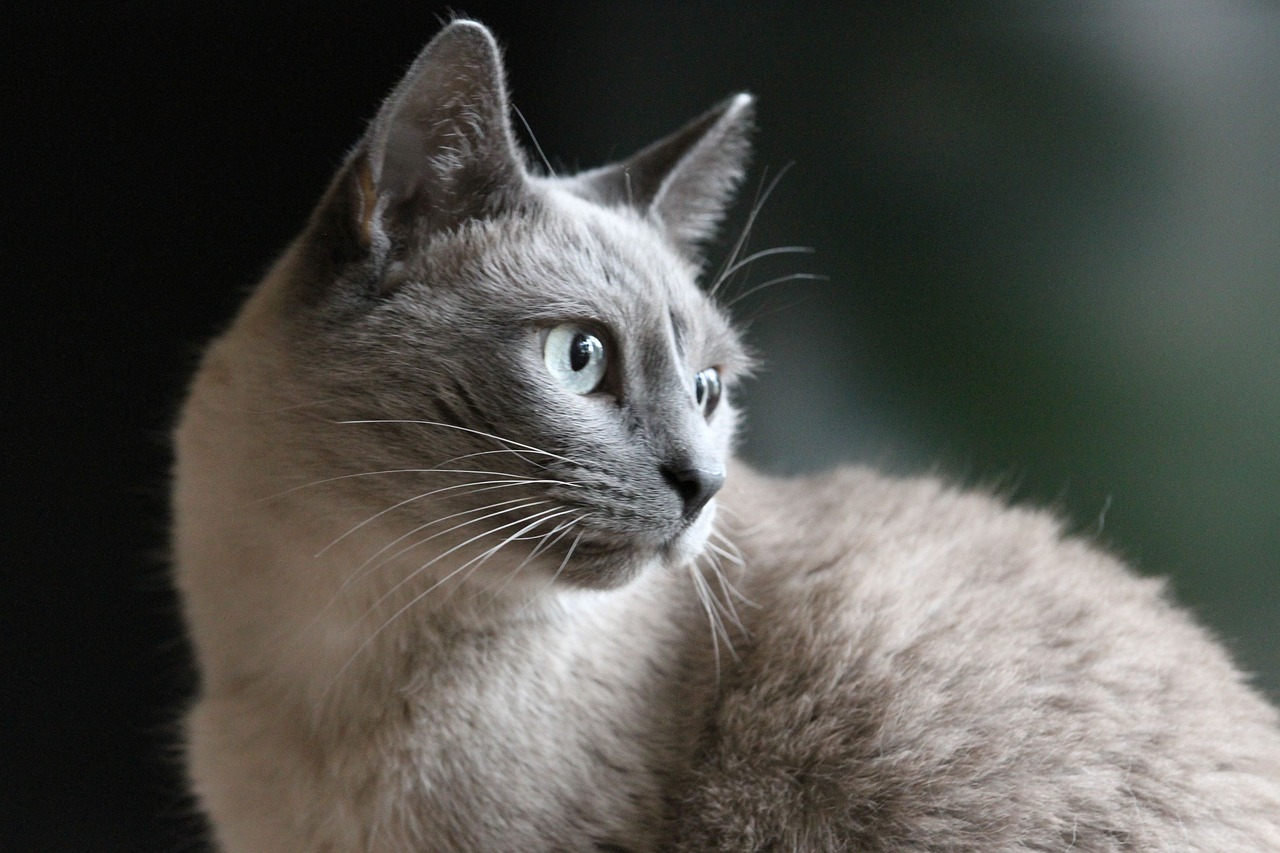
x=695, y=485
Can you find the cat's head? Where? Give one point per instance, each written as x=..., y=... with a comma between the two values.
x=531, y=352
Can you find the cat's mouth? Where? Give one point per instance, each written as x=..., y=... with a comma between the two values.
x=600, y=563
x=603, y=559
x=606, y=546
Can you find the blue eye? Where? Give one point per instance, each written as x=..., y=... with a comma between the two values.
x=574, y=357
x=706, y=390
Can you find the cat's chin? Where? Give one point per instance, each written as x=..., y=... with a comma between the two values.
x=606, y=564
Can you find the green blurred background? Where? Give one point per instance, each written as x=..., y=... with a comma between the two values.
x=1049, y=233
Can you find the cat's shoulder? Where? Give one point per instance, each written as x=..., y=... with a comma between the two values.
x=922, y=556
x=922, y=524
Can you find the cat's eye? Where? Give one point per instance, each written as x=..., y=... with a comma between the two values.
x=706, y=390
x=575, y=357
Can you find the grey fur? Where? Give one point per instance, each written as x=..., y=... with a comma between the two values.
x=912, y=668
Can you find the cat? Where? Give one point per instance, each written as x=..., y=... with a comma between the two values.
x=467, y=563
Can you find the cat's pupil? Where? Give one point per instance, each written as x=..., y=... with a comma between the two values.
x=580, y=352
x=700, y=388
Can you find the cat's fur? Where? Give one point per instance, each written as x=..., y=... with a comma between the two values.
x=916, y=668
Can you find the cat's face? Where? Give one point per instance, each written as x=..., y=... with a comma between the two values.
x=532, y=355
x=564, y=359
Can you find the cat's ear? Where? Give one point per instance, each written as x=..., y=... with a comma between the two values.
x=441, y=150
x=685, y=181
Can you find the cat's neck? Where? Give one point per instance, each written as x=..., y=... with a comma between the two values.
x=324, y=612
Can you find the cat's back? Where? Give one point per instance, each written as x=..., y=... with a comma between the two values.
x=930, y=670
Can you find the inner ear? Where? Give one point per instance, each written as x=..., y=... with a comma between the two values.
x=364, y=199
x=441, y=150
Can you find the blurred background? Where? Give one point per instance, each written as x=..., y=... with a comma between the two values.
x=1049, y=234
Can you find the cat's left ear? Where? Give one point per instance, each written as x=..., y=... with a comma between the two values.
x=686, y=180
x=441, y=150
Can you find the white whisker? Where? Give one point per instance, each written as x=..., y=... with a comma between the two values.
x=562, y=529
x=417, y=598
x=705, y=597
x=726, y=605
x=556, y=574
x=420, y=569
x=478, y=432
x=475, y=486
x=734, y=518
x=517, y=451
x=423, y=527
x=765, y=253
x=534, y=140
x=782, y=279
x=367, y=567
x=545, y=543
x=363, y=569
x=568, y=555
x=732, y=557
x=356, y=475
x=515, y=537
x=741, y=242
x=730, y=552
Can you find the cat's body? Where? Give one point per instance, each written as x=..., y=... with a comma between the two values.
x=448, y=595
x=956, y=675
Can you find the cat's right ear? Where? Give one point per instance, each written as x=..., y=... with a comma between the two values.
x=441, y=149
x=685, y=181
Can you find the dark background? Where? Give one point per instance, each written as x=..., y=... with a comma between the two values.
x=1050, y=232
